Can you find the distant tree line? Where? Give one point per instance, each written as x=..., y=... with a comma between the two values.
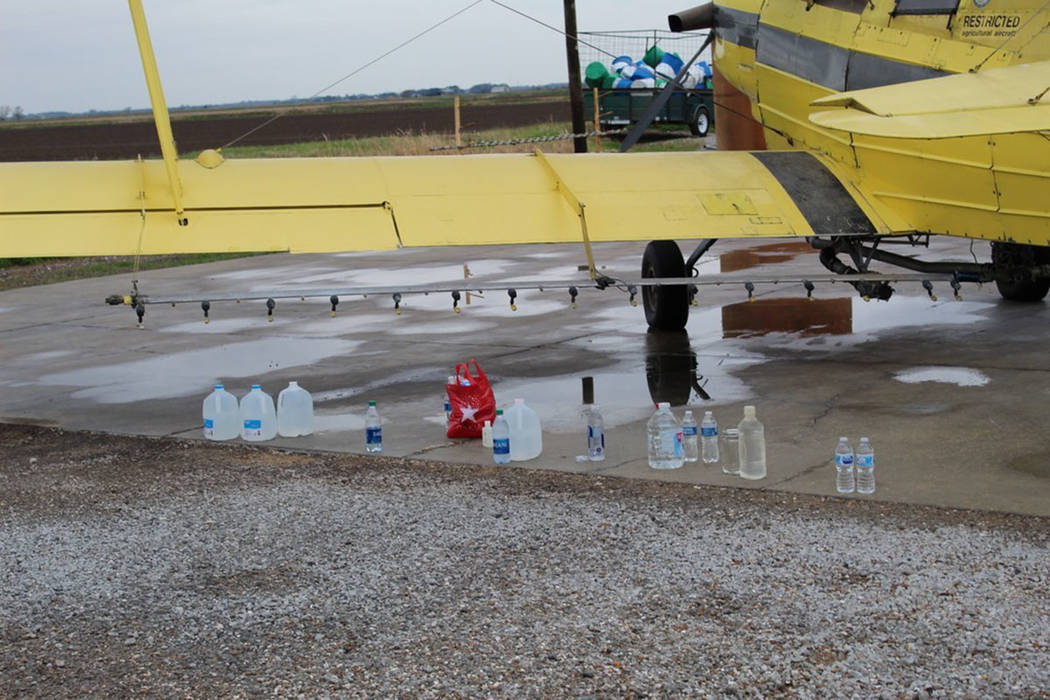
x=8, y=112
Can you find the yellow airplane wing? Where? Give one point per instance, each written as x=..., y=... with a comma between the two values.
x=342, y=204
x=996, y=101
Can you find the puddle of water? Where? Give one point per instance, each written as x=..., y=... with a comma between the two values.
x=192, y=372
x=748, y=258
x=802, y=316
x=960, y=376
x=1036, y=464
x=216, y=326
x=457, y=326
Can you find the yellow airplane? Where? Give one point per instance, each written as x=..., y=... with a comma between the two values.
x=849, y=123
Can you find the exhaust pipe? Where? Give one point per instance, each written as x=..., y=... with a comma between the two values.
x=701, y=17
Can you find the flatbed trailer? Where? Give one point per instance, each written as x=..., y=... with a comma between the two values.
x=623, y=107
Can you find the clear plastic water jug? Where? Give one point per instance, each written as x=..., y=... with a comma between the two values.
x=258, y=416
x=221, y=412
x=526, y=434
x=295, y=411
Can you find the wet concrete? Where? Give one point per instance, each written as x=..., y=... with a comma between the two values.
x=952, y=394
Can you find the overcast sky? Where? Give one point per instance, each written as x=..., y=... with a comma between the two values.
x=76, y=55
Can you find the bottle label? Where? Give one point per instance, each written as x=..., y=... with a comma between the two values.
x=707, y=432
x=253, y=424
x=501, y=446
x=678, y=443
x=209, y=424
x=688, y=430
x=373, y=436
x=595, y=441
x=865, y=460
x=844, y=460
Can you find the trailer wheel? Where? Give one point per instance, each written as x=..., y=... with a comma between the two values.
x=666, y=307
x=701, y=122
x=1019, y=255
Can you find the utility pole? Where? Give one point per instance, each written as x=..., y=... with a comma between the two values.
x=572, y=55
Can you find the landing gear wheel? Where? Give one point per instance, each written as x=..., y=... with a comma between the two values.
x=666, y=307
x=1018, y=255
x=701, y=122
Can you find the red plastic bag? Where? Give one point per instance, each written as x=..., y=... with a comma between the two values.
x=471, y=400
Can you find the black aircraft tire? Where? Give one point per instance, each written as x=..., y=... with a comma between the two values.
x=667, y=307
x=1027, y=290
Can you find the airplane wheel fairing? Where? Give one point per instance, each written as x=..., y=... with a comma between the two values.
x=1010, y=255
x=667, y=307
x=700, y=124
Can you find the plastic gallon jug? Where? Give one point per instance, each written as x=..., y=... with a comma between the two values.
x=295, y=411
x=257, y=415
x=221, y=415
x=526, y=436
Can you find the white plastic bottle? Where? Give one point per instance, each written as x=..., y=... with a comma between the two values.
x=752, y=446
x=690, y=449
x=844, y=482
x=709, y=438
x=373, y=429
x=221, y=415
x=257, y=415
x=865, y=461
x=595, y=434
x=500, y=439
x=665, y=439
x=526, y=433
x=486, y=434
x=295, y=411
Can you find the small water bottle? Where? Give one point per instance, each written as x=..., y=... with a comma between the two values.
x=865, y=467
x=709, y=438
x=486, y=434
x=690, y=449
x=373, y=429
x=501, y=439
x=844, y=467
x=731, y=453
x=595, y=434
x=448, y=412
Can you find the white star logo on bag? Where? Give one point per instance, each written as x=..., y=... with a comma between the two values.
x=468, y=414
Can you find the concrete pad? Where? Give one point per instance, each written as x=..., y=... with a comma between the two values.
x=952, y=394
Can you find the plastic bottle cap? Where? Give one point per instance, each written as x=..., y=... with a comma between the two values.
x=519, y=400
x=488, y=424
x=706, y=414
x=293, y=383
x=219, y=386
x=499, y=411
x=843, y=439
x=371, y=403
x=256, y=386
x=864, y=439
x=749, y=411
x=663, y=404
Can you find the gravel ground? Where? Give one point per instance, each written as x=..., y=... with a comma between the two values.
x=179, y=568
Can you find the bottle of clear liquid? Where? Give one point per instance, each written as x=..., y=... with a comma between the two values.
x=595, y=434
x=709, y=438
x=295, y=411
x=220, y=413
x=690, y=448
x=486, y=434
x=373, y=429
x=752, y=446
x=844, y=466
x=501, y=439
x=731, y=452
x=865, y=467
x=665, y=439
x=257, y=415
